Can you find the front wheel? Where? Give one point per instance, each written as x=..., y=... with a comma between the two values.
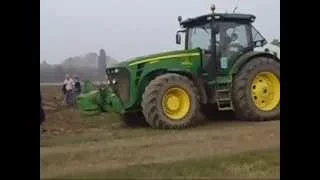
x=171, y=101
x=256, y=90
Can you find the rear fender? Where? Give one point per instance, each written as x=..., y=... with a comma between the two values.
x=244, y=59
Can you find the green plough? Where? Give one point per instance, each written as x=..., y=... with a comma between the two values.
x=96, y=99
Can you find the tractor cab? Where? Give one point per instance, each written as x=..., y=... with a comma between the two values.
x=223, y=38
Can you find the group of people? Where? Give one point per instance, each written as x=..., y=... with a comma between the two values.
x=71, y=88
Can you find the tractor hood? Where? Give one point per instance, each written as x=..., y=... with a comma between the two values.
x=273, y=49
x=157, y=56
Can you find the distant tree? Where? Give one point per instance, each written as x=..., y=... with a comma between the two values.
x=58, y=73
x=90, y=60
x=67, y=62
x=44, y=62
x=91, y=66
x=276, y=42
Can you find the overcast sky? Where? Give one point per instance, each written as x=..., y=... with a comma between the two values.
x=129, y=28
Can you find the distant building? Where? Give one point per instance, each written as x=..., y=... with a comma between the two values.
x=102, y=64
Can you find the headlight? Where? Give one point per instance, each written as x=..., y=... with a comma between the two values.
x=116, y=70
x=108, y=82
x=113, y=81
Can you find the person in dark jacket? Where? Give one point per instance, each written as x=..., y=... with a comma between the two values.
x=42, y=113
x=77, y=85
x=77, y=89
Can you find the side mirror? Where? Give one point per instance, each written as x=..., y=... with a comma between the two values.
x=178, y=38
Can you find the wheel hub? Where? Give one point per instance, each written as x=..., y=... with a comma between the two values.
x=173, y=103
x=176, y=103
x=265, y=91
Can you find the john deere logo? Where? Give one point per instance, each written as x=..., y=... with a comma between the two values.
x=187, y=62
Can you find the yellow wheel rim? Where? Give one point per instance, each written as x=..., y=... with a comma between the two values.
x=265, y=91
x=176, y=103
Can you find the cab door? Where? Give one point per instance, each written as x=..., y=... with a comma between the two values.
x=234, y=41
x=201, y=37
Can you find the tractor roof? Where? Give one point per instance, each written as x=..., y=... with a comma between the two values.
x=218, y=17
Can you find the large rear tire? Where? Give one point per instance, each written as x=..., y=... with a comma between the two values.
x=256, y=90
x=171, y=101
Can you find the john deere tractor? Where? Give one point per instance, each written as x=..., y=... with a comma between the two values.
x=218, y=66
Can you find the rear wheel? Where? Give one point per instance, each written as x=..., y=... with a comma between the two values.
x=171, y=101
x=256, y=90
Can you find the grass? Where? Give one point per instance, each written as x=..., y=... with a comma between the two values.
x=254, y=164
x=106, y=127
x=93, y=147
x=112, y=154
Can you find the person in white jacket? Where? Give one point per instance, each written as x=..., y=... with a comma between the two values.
x=68, y=86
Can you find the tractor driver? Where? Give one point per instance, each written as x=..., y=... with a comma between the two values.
x=234, y=42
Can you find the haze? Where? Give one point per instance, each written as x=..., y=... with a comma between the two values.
x=132, y=28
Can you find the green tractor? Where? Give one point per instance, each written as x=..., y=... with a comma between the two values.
x=218, y=66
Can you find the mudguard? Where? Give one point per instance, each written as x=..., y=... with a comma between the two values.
x=247, y=57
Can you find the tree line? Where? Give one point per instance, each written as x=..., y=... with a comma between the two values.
x=91, y=66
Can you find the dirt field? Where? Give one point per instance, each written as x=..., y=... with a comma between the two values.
x=101, y=147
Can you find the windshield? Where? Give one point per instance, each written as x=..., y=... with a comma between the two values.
x=199, y=37
x=234, y=34
x=228, y=32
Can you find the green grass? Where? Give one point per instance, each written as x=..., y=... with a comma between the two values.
x=255, y=164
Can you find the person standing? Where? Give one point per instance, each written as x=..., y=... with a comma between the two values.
x=69, y=85
x=77, y=88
